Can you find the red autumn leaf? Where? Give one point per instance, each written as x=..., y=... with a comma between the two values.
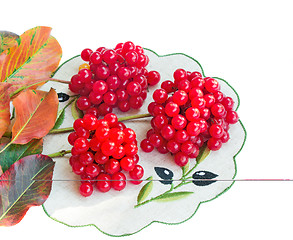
x=4, y=108
x=25, y=184
x=32, y=61
x=36, y=113
x=7, y=40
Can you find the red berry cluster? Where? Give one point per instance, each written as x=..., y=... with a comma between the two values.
x=102, y=150
x=115, y=78
x=187, y=113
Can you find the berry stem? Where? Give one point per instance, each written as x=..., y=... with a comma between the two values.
x=59, y=80
x=134, y=117
x=59, y=154
x=70, y=129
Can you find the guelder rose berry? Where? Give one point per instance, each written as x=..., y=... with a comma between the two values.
x=113, y=78
x=187, y=113
x=103, y=152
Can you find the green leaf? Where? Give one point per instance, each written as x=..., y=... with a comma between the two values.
x=14, y=152
x=76, y=113
x=60, y=119
x=203, y=153
x=145, y=190
x=26, y=183
x=173, y=196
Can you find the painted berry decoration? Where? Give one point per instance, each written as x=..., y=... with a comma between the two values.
x=187, y=113
x=113, y=78
x=104, y=151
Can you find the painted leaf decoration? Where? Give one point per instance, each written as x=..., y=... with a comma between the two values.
x=32, y=61
x=15, y=152
x=60, y=119
x=25, y=184
x=203, y=153
x=76, y=113
x=36, y=112
x=202, y=178
x=185, y=168
x=7, y=40
x=145, y=190
x=4, y=107
x=166, y=174
x=173, y=196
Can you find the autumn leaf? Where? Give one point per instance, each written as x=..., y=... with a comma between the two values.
x=4, y=108
x=25, y=184
x=15, y=152
x=31, y=61
x=7, y=40
x=36, y=113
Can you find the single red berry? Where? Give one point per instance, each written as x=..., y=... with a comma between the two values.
x=160, y=95
x=181, y=136
x=102, y=72
x=184, y=85
x=123, y=73
x=82, y=132
x=179, y=122
x=133, y=88
x=181, y=159
x=86, y=189
x=85, y=54
x=216, y=131
x=232, y=117
x=146, y=146
x=192, y=114
x=100, y=158
x=85, y=75
x=95, y=144
x=135, y=102
x=95, y=58
x=173, y=146
x=118, y=182
x=81, y=145
x=137, y=172
x=168, y=86
x=90, y=122
x=160, y=121
x=112, y=166
x=129, y=135
x=127, y=163
x=78, y=168
x=109, y=56
x=92, y=170
x=156, y=140
x=108, y=147
x=214, y=144
x=180, y=97
x=179, y=75
x=218, y=110
x=153, y=78
x=86, y=158
x=100, y=87
x=72, y=137
x=198, y=102
x=168, y=132
x=197, y=82
x=193, y=128
x=172, y=109
x=130, y=149
x=83, y=103
x=210, y=100
x=212, y=85
x=103, y=182
x=119, y=153
x=187, y=147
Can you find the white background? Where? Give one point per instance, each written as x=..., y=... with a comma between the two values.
x=248, y=43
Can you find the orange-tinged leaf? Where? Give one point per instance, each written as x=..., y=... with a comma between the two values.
x=4, y=108
x=36, y=113
x=33, y=60
x=7, y=40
